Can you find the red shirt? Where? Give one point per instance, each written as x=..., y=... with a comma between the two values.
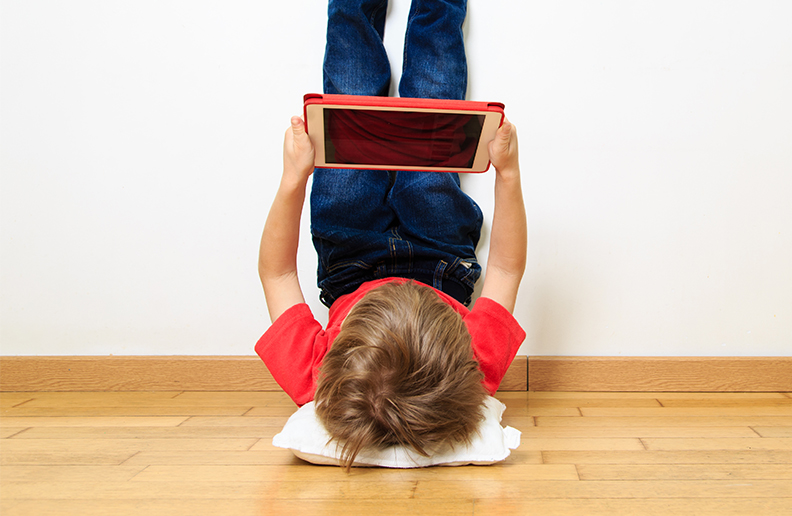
x=294, y=346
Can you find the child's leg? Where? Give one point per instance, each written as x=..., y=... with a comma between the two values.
x=350, y=201
x=442, y=225
x=355, y=60
x=348, y=209
x=435, y=65
x=349, y=221
x=430, y=206
x=433, y=211
x=442, y=222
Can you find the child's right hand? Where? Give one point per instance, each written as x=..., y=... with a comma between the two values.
x=298, y=150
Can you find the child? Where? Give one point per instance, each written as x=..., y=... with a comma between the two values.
x=402, y=360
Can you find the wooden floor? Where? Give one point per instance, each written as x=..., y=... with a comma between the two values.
x=193, y=453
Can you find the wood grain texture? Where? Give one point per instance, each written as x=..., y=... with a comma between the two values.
x=63, y=461
x=166, y=373
x=660, y=374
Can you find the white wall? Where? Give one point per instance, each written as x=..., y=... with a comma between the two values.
x=141, y=147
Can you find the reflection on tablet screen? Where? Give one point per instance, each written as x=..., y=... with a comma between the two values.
x=375, y=137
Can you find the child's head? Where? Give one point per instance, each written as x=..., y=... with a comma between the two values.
x=401, y=371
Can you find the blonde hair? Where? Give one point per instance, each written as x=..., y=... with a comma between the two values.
x=401, y=371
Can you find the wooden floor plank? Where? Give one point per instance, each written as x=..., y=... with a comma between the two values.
x=158, y=399
x=536, y=403
x=237, y=507
x=660, y=489
x=207, y=421
x=10, y=431
x=98, y=399
x=626, y=421
x=685, y=472
x=190, y=432
x=308, y=473
x=14, y=397
x=773, y=431
x=48, y=458
x=320, y=490
x=131, y=411
x=611, y=507
x=669, y=457
x=258, y=411
x=776, y=443
x=42, y=473
x=645, y=394
x=236, y=398
x=542, y=444
x=277, y=457
x=689, y=411
x=725, y=402
x=10, y=402
x=92, y=421
x=124, y=445
x=638, y=432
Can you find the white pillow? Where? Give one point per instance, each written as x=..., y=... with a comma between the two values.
x=307, y=438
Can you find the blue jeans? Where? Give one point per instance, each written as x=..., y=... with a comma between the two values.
x=434, y=63
x=370, y=224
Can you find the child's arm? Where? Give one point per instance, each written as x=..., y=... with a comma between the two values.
x=278, y=251
x=509, y=238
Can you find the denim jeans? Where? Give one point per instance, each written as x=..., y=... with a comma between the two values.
x=370, y=224
x=434, y=64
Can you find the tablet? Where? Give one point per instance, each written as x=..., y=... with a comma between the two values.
x=351, y=131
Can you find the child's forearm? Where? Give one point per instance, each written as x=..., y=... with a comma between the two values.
x=509, y=236
x=279, y=241
x=278, y=251
x=280, y=238
x=508, y=240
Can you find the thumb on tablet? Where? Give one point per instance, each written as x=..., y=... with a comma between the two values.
x=503, y=149
x=298, y=151
x=299, y=134
x=298, y=126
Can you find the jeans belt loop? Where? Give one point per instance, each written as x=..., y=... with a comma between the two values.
x=439, y=274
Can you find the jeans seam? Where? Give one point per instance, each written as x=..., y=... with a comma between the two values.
x=394, y=253
x=375, y=12
x=440, y=274
x=354, y=263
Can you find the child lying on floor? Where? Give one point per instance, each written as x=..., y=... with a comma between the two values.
x=402, y=360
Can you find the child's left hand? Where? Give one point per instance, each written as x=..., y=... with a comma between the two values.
x=298, y=150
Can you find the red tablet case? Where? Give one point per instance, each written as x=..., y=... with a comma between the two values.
x=441, y=132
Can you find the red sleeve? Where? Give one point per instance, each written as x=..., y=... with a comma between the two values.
x=496, y=338
x=292, y=348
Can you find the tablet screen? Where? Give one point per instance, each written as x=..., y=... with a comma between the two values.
x=404, y=138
